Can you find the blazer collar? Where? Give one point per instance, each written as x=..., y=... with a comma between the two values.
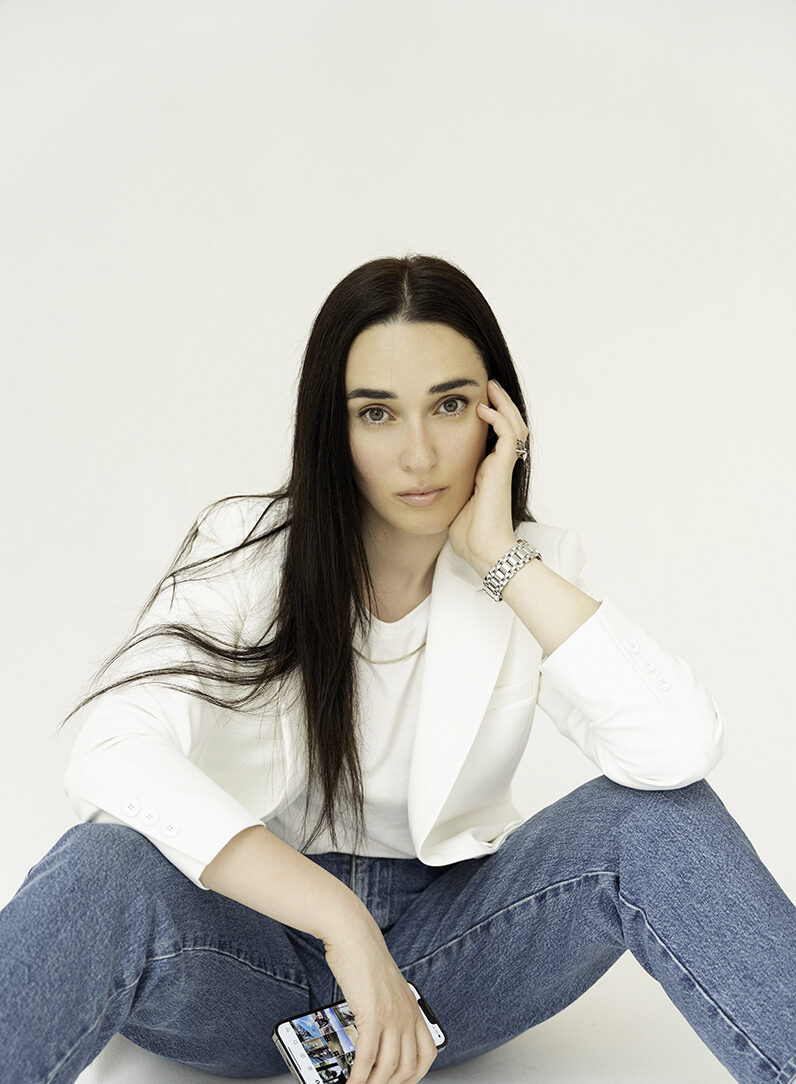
x=467, y=639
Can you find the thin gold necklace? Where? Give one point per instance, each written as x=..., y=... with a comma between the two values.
x=382, y=662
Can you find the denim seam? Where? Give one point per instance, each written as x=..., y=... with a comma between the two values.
x=157, y=959
x=572, y=880
x=232, y=956
x=790, y=1068
x=777, y=1069
x=88, y=1031
x=510, y=907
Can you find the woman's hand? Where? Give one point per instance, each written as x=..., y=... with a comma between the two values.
x=483, y=529
x=394, y=1044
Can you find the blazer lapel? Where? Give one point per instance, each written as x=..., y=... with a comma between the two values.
x=467, y=639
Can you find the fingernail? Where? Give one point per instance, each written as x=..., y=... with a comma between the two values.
x=496, y=382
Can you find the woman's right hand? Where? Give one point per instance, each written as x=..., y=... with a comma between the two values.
x=394, y=1044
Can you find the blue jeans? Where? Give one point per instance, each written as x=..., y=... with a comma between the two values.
x=106, y=935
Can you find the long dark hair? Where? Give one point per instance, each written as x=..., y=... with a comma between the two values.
x=325, y=585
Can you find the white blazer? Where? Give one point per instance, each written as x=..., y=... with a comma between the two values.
x=190, y=776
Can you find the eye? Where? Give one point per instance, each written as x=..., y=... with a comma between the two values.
x=448, y=413
x=363, y=415
x=455, y=399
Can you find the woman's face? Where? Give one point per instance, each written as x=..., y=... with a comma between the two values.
x=405, y=432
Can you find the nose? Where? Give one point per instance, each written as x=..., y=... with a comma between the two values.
x=418, y=455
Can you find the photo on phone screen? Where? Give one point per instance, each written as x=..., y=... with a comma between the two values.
x=318, y=1046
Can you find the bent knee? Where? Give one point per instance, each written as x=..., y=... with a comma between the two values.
x=680, y=810
x=108, y=853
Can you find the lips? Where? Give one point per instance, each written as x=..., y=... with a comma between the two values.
x=419, y=492
x=422, y=500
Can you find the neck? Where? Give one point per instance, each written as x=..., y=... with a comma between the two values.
x=402, y=564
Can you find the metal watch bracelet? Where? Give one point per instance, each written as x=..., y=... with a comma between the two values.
x=501, y=572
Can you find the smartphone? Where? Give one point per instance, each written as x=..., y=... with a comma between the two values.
x=318, y=1046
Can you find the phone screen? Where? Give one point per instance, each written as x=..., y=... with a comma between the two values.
x=319, y=1046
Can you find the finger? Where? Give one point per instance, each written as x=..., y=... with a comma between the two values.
x=410, y=1057
x=504, y=429
x=387, y=1059
x=504, y=402
x=426, y=1049
x=364, y=1056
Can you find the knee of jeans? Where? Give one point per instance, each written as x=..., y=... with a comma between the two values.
x=692, y=805
x=109, y=852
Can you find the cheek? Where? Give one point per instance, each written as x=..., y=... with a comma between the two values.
x=358, y=459
x=367, y=465
x=472, y=447
x=468, y=455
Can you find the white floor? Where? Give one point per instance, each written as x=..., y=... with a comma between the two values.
x=624, y=1030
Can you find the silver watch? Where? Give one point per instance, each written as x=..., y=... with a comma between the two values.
x=501, y=572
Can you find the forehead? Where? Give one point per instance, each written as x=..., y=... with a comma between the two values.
x=425, y=350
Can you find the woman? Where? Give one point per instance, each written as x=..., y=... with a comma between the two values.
x=339, y=648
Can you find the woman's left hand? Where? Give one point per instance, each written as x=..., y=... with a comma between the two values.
x=483, y=531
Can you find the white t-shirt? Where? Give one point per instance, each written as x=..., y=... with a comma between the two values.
x=390, y=696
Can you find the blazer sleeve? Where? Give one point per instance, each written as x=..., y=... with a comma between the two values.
x=133, y=761
x=636, y=710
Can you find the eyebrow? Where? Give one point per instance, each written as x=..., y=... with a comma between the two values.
x=435, y=389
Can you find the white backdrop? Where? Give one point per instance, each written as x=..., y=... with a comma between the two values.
x=182, y=185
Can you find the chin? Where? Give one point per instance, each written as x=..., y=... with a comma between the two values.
x=427, y=526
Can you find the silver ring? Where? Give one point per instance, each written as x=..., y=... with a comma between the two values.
x=522, y=451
